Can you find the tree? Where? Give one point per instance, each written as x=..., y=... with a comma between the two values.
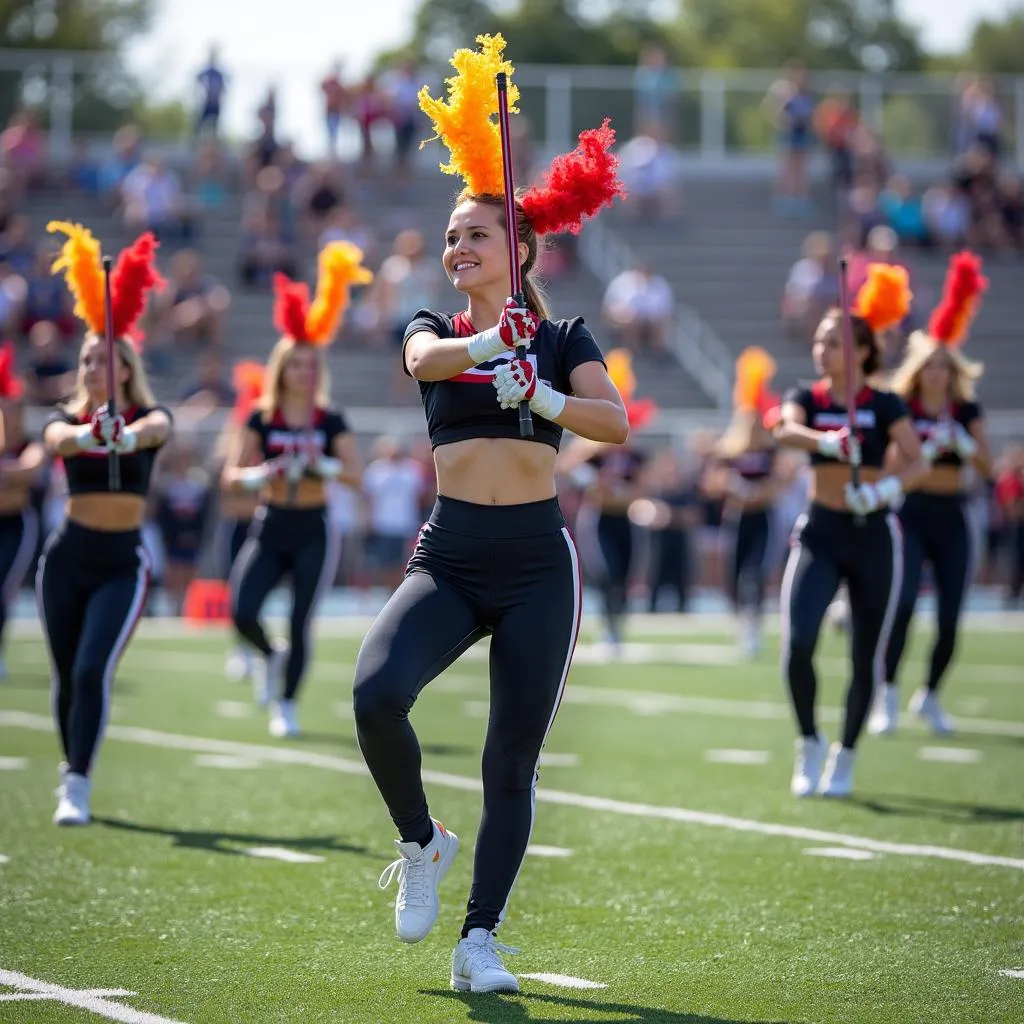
x=998, y=47
x=103, y=90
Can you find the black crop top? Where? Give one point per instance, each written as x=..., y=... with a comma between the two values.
x=964, y=414
x=465, y=405
x=87, y=472
x=277, y=438
x=877, y=411
x=756, y=464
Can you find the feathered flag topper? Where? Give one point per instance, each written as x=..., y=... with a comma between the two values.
x=10, y=385
x=754, y=371
x=951, y=320
x=339, y=267
x=884, y=298
x=640, y=411
x=133, y=277
x=576, y=185
x=249, y=379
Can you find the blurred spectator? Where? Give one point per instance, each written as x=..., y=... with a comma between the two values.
x=47, y=297
x=336, y=103
x=401, y=86
x=393, y=483
x=345, y=225
x=810, y=287
x=870, y=164
x=121, y=161
x=408, y=280
x=639, y=305
x=212, y=84
x=649, y=168
x=656, y=88
x=154, y=201
x=371, y=106
x=210, y=387
x=23, y=147
x=1011, y=199
x=83, y=171
x=50, y=375
x=208, y=179
x=318, y=194
x=17, y=248
x=12, y=298
x=790, y=105
x=264, y=147
x=264, y=250
x=191, y=309
x=947, y=216
x=979, y=118
x=975, y=175
x=861, y=216
x=836, y=121
x=903, y=211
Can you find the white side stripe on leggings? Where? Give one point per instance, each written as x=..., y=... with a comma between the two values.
x=22, y=557
x=786, y=590
x=896, y=535
x=577, y=615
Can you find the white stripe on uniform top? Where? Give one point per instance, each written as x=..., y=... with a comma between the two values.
x=22, y=557
x=786, y=591
x=131, y=620
x=577, y=616
x=896, y=537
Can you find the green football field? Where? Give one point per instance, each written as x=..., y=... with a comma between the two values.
x=229, y=877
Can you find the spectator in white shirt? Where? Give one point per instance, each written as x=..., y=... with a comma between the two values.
x=639, y=305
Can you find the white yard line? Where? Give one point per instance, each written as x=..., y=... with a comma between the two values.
x=284, y=755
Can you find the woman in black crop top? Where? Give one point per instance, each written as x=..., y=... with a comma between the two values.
x=20, y=463
x=937, y=383
x=744, y=475
x=494, y=559
x=94, y=571
x=287, y=456
x=847, y=534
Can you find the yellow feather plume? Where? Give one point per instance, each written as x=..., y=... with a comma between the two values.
x=466, y=122
x=620, y=369
x=754, y=370
x=83, y=270
x=340, y=267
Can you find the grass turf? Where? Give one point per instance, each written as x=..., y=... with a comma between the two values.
x=682, y=921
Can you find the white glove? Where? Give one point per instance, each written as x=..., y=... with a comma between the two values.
x=86, y=439
x=841, y=445
x=963, y=444
x=868, y=497
x=516, y=326
x=326, y=467
x=515, y=381
x=126, y=443
x=252, y=478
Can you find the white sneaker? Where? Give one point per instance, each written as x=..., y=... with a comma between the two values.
x=476, y=966
x=420, y=870
x=925, y=704
x=73, y=800
x=838, y=778
x=886, y=711
x=810, y=760
x=750, y=639
x=268, y=676
x=283, y=720
x=239, y=665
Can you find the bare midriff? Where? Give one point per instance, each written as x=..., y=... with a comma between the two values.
x=14, y=498
x=111, y=513
x=941, y=480
x=495, y=471
x=308, y=494
x=828, y=484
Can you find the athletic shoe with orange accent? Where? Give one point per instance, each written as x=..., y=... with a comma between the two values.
x=420, y=870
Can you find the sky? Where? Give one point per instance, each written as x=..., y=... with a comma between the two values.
x=295, y=50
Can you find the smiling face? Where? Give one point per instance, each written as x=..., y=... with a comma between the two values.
x=476, y=254
x=827, y=351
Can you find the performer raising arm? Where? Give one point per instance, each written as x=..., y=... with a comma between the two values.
x=494, y=558
x=94, y=572
x=937, y=382
x=848, y=533
x=299, y=443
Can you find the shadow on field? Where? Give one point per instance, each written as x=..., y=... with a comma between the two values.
x=215, y=841
x=509, y=1009
x=334, y=738
x=955, y=811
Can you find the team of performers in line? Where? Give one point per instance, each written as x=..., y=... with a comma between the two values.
x=495, y=558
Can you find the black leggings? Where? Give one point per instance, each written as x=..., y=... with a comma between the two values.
x=19, y=535
x=828, y=547
x=935, y=530
x=298, y=543
x=230, y=538
x=670, y=567
x=92, y=588
x=615, y=537
x=748, y=562
x=510, y=572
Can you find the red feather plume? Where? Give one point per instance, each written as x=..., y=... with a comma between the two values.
x=964, y=284
x=10, y=386
x=291, y=307
x=576, y=185
x=133, y=276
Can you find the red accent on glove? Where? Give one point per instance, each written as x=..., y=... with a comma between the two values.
x=514, y=325
x=523, y=375
x=847, y=444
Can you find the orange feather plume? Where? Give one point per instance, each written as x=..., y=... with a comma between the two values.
x=884, y=298
x=83, y=271
x=466, y=123
x=10, y=385
x=249, y=379
x=754, y=370
x=964, y=284
x=340, y=267
x=640, y=411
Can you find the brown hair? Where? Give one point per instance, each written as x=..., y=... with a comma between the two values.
x=533, y=293
x=863, y=337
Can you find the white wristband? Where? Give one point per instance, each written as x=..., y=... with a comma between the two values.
x=252, y=478
x=889, y=489
x=547, y=402
x=327, y=467
x=485, y=346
